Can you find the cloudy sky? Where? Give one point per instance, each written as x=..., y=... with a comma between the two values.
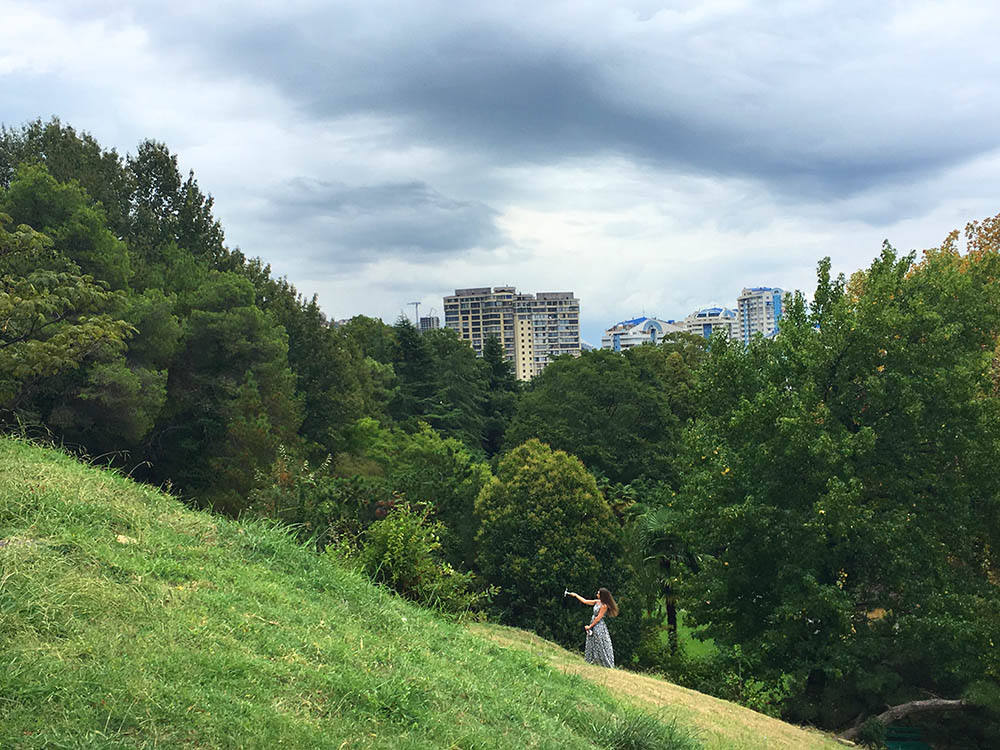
x=649, y=156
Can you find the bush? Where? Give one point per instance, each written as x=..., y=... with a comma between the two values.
x=403, y=551
x=726, y=675
x=321, y=507
x=872, y=734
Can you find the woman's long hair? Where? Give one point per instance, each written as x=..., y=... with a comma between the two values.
x=605, y=596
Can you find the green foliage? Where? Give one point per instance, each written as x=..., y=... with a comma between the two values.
x=129, y=621
x=413, y=364
x=621, y=414
x=502, y=390
x=68, y=156
x=544, y=527
x=373, y=338
x=65, y=213
x=231, y=398
x=403, y=551
x=872, y=734
x=439, y=381
x=984, y=695
x=835, y=483
x=323, y=509
x=164, y=210
x=203, y=393
x=657, y=554
x=727, y=674
x=51, y=321
x=428, y=470
x=459, y=390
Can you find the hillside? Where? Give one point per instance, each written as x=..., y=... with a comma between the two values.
x=129, y=621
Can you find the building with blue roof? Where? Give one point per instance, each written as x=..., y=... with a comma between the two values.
x=709, y=320
x=642, y=330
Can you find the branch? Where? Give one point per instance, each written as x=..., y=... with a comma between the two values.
x=895, y=713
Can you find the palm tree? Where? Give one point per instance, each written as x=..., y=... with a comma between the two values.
x=663, y=550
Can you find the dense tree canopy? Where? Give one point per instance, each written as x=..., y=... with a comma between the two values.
x=53, y=319
x=621, y=414
x=838, y=483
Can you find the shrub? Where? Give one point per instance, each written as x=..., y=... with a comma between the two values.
x=403, y=551
x=322, y=507
x=872, y=734
x=726, y=675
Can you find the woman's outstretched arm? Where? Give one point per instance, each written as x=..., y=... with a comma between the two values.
x=580, y=599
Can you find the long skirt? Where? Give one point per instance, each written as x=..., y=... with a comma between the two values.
x=599, y=649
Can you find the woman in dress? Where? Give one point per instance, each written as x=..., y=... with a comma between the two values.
x=599, y=649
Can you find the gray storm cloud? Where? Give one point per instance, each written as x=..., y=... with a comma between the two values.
x=356, y=224
x=821, y=99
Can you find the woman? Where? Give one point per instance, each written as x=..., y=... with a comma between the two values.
x=599, y=649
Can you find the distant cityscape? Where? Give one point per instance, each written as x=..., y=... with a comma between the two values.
x=533, y=328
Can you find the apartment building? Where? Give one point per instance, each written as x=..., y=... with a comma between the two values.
x=759, y=311
x=708, y=320
x=532, y=328
x=643, y=330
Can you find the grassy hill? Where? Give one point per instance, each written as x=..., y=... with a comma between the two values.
x=128, y=621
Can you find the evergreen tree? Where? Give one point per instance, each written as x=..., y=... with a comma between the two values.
x=502, y=390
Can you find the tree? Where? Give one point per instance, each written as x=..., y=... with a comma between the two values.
x=165, y=209
x=611, y=410
x=66, y=214
x=413, y=364
x=68, y=156
x=331, y=375
x=502, y=391
x=663, y=551
x=544, y=526
x=51, y=321
x=230, y=394
x=372, y=337
x=427, y=469
x=835, y=481
x=459, y=388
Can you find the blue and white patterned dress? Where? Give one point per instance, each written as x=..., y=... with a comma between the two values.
x=598, y=649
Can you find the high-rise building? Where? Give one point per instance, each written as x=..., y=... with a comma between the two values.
x=629, y=333
x=532, y=328
x=430, y=323
x=760, y=310
x=708, y=320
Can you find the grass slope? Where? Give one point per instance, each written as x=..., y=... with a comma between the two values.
x=719, y=724
x=128, y=621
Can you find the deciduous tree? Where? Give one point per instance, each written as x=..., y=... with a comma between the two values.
x=839, y=480
x=545, y=526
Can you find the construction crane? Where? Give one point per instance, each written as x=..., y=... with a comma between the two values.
x=416, y=313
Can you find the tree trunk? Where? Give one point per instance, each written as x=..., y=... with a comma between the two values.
x=672, y=620
x=895, y=713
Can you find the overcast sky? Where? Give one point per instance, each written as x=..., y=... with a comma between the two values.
x=650, y=156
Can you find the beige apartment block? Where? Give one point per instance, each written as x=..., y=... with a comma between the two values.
x=533, y=328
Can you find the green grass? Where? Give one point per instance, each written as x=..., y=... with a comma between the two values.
x=692, y=646
x=128, y=621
